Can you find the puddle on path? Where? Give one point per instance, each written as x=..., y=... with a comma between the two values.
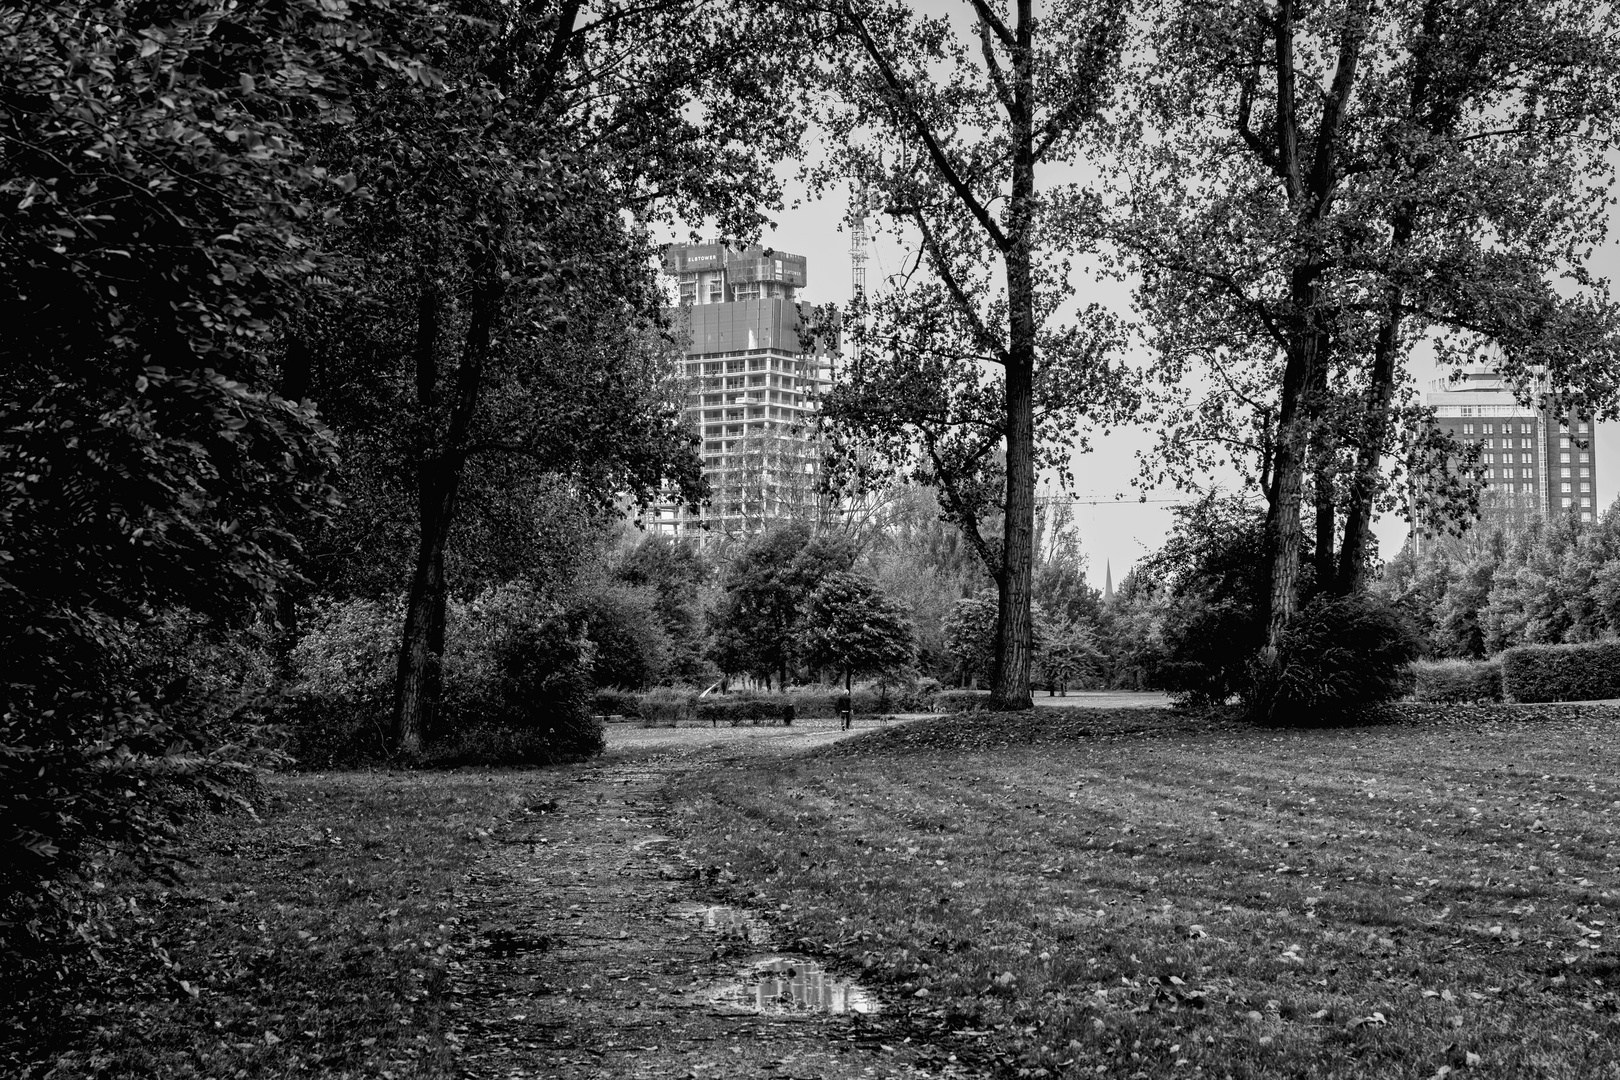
x=726, y=923
x=781, y=984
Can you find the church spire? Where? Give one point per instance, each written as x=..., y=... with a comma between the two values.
x=1108, y=581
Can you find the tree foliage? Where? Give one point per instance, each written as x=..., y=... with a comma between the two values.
x=503, y=272
x=973, y=370
x=1512, y=580
x=756, y=623
x=154, y=202
x=1318, y=187
x=850, y=626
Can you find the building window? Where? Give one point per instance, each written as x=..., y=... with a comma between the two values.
x=1585, y=456
x=1586, y=485
x=1468, y=429
x=1489, y=429
x=1565, y=486
x=1586, y=500
x=1564, y=457
x=1563, y=472
x=1586, y=515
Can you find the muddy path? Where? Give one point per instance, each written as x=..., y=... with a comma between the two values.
x=592, y=947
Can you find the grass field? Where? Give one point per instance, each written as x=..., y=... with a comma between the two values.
x=308, y=943
x=1137, y=894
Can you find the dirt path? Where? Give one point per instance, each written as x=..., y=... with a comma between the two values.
x=588, y=955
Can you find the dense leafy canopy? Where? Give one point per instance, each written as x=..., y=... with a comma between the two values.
x=849, y=626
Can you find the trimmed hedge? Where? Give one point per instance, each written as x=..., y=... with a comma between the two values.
x=1587, y=672
x=751, y=710
x=1457, y=680
x=669, y=706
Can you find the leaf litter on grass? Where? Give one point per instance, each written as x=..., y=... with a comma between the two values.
x=1171, y=921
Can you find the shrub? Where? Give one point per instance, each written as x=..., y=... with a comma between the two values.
x=1339, y=656
x=665, y=705
x=1208, y=645
x=953, y=701
x=1561, y=672
x=544, y=698
x=337, y=710
x=1457, y=680
x=618, y=703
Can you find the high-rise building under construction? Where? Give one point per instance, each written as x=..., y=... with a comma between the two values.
x=756, y=370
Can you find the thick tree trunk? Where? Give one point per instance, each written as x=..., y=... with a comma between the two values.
x=1014, y=625
x=1283, y=526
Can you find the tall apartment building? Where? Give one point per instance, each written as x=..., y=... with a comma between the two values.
x=755, y=370
x=1527, y=453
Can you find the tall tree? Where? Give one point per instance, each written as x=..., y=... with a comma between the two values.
x=1324, y=185
x=509, y=195
x=970, y=379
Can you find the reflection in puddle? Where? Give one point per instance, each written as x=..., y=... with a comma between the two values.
x=780, y=984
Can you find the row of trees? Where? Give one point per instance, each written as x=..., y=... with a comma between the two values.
x=1302, y=191
x=742, y=610
x=1513, y=579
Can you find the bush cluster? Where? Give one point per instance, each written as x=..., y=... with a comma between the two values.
x=1586, y=672
x=1339, y=656
x=1457, y=680
x=516, y=677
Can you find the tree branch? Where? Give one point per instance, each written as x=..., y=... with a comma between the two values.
x=930, y=141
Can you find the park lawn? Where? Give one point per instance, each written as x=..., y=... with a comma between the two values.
x=1140, y=894
x=312, y=941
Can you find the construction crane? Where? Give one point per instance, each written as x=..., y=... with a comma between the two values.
x=857, y=269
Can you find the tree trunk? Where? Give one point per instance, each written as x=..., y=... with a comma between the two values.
x=1375, y=424
x=1014, y=626
x=418, y=688
x=1374, y=430
x=1322, y=557
x=418, y=683
x=1283, y=527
